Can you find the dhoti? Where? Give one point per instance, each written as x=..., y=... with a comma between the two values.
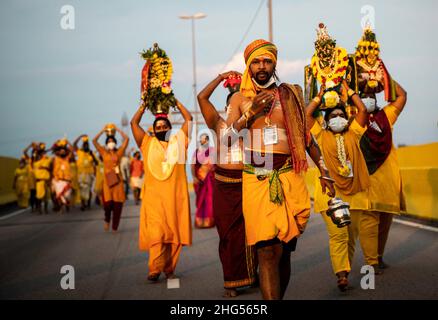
x=85, y=184
x=276, y=204
x=63, y=190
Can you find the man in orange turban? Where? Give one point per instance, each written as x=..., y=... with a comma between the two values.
x=276, y=203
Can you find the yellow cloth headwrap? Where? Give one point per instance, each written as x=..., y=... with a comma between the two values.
x=255, y=49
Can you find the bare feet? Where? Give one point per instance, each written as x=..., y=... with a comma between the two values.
x=106, y=226
x=342, y=281
x=230, y=293
x=153, y=277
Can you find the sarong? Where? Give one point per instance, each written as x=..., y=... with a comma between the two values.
x=204, y=198
x=239, y=262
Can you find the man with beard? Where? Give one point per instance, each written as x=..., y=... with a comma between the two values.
x=385, y=195
x=165, y=210
x=86, y=164
x=276, y=203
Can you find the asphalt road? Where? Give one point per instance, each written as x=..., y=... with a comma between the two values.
x=33, y=249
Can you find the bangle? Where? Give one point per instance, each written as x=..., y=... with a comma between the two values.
x=350, y=92
x=317, y=100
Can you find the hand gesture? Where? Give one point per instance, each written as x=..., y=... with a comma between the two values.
x=260, y=101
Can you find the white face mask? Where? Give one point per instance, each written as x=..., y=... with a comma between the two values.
x=267, y=85
x=111, y=145
x=370, y=104
x=338, y=124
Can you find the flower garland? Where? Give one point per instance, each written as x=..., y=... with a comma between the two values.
x=367, y=58
x=332, y=75
x=156, y=88
x=344, y=170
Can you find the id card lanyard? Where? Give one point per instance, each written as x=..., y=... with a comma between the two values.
x=270, y=132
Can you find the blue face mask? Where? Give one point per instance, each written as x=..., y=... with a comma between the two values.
x=370, y=104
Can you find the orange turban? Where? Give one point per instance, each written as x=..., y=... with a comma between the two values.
x=255, y=49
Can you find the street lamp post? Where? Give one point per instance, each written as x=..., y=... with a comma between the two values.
x=195, y=94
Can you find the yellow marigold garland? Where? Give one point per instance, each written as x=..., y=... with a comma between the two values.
x=158, y=96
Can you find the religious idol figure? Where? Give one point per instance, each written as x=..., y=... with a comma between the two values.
x=328, y=67
x=372, y=75
x=156, y=91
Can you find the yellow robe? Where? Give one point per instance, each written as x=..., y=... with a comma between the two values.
x=86, y=169
x=62, y=169
x=357, y=201
x=165, y=209
x=41, y=169
x=386, y=194
x=22, y=186
x=85, y=162
x=342, y=240
x=98, y=185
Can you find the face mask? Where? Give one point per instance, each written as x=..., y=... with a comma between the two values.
x=267, y=84
x=370, y=104
x=111, y=145
x=338, y=124
x=161, y=135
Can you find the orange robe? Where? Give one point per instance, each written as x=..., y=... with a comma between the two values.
x=111, y=161
x=165, y=209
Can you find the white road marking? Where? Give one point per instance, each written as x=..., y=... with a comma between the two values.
x=173, y=283
x=13, y=214
x=416, y=225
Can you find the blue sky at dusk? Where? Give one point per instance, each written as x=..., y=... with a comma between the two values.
x=55, y=82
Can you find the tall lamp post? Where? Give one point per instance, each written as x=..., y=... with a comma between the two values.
x=195, y=94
